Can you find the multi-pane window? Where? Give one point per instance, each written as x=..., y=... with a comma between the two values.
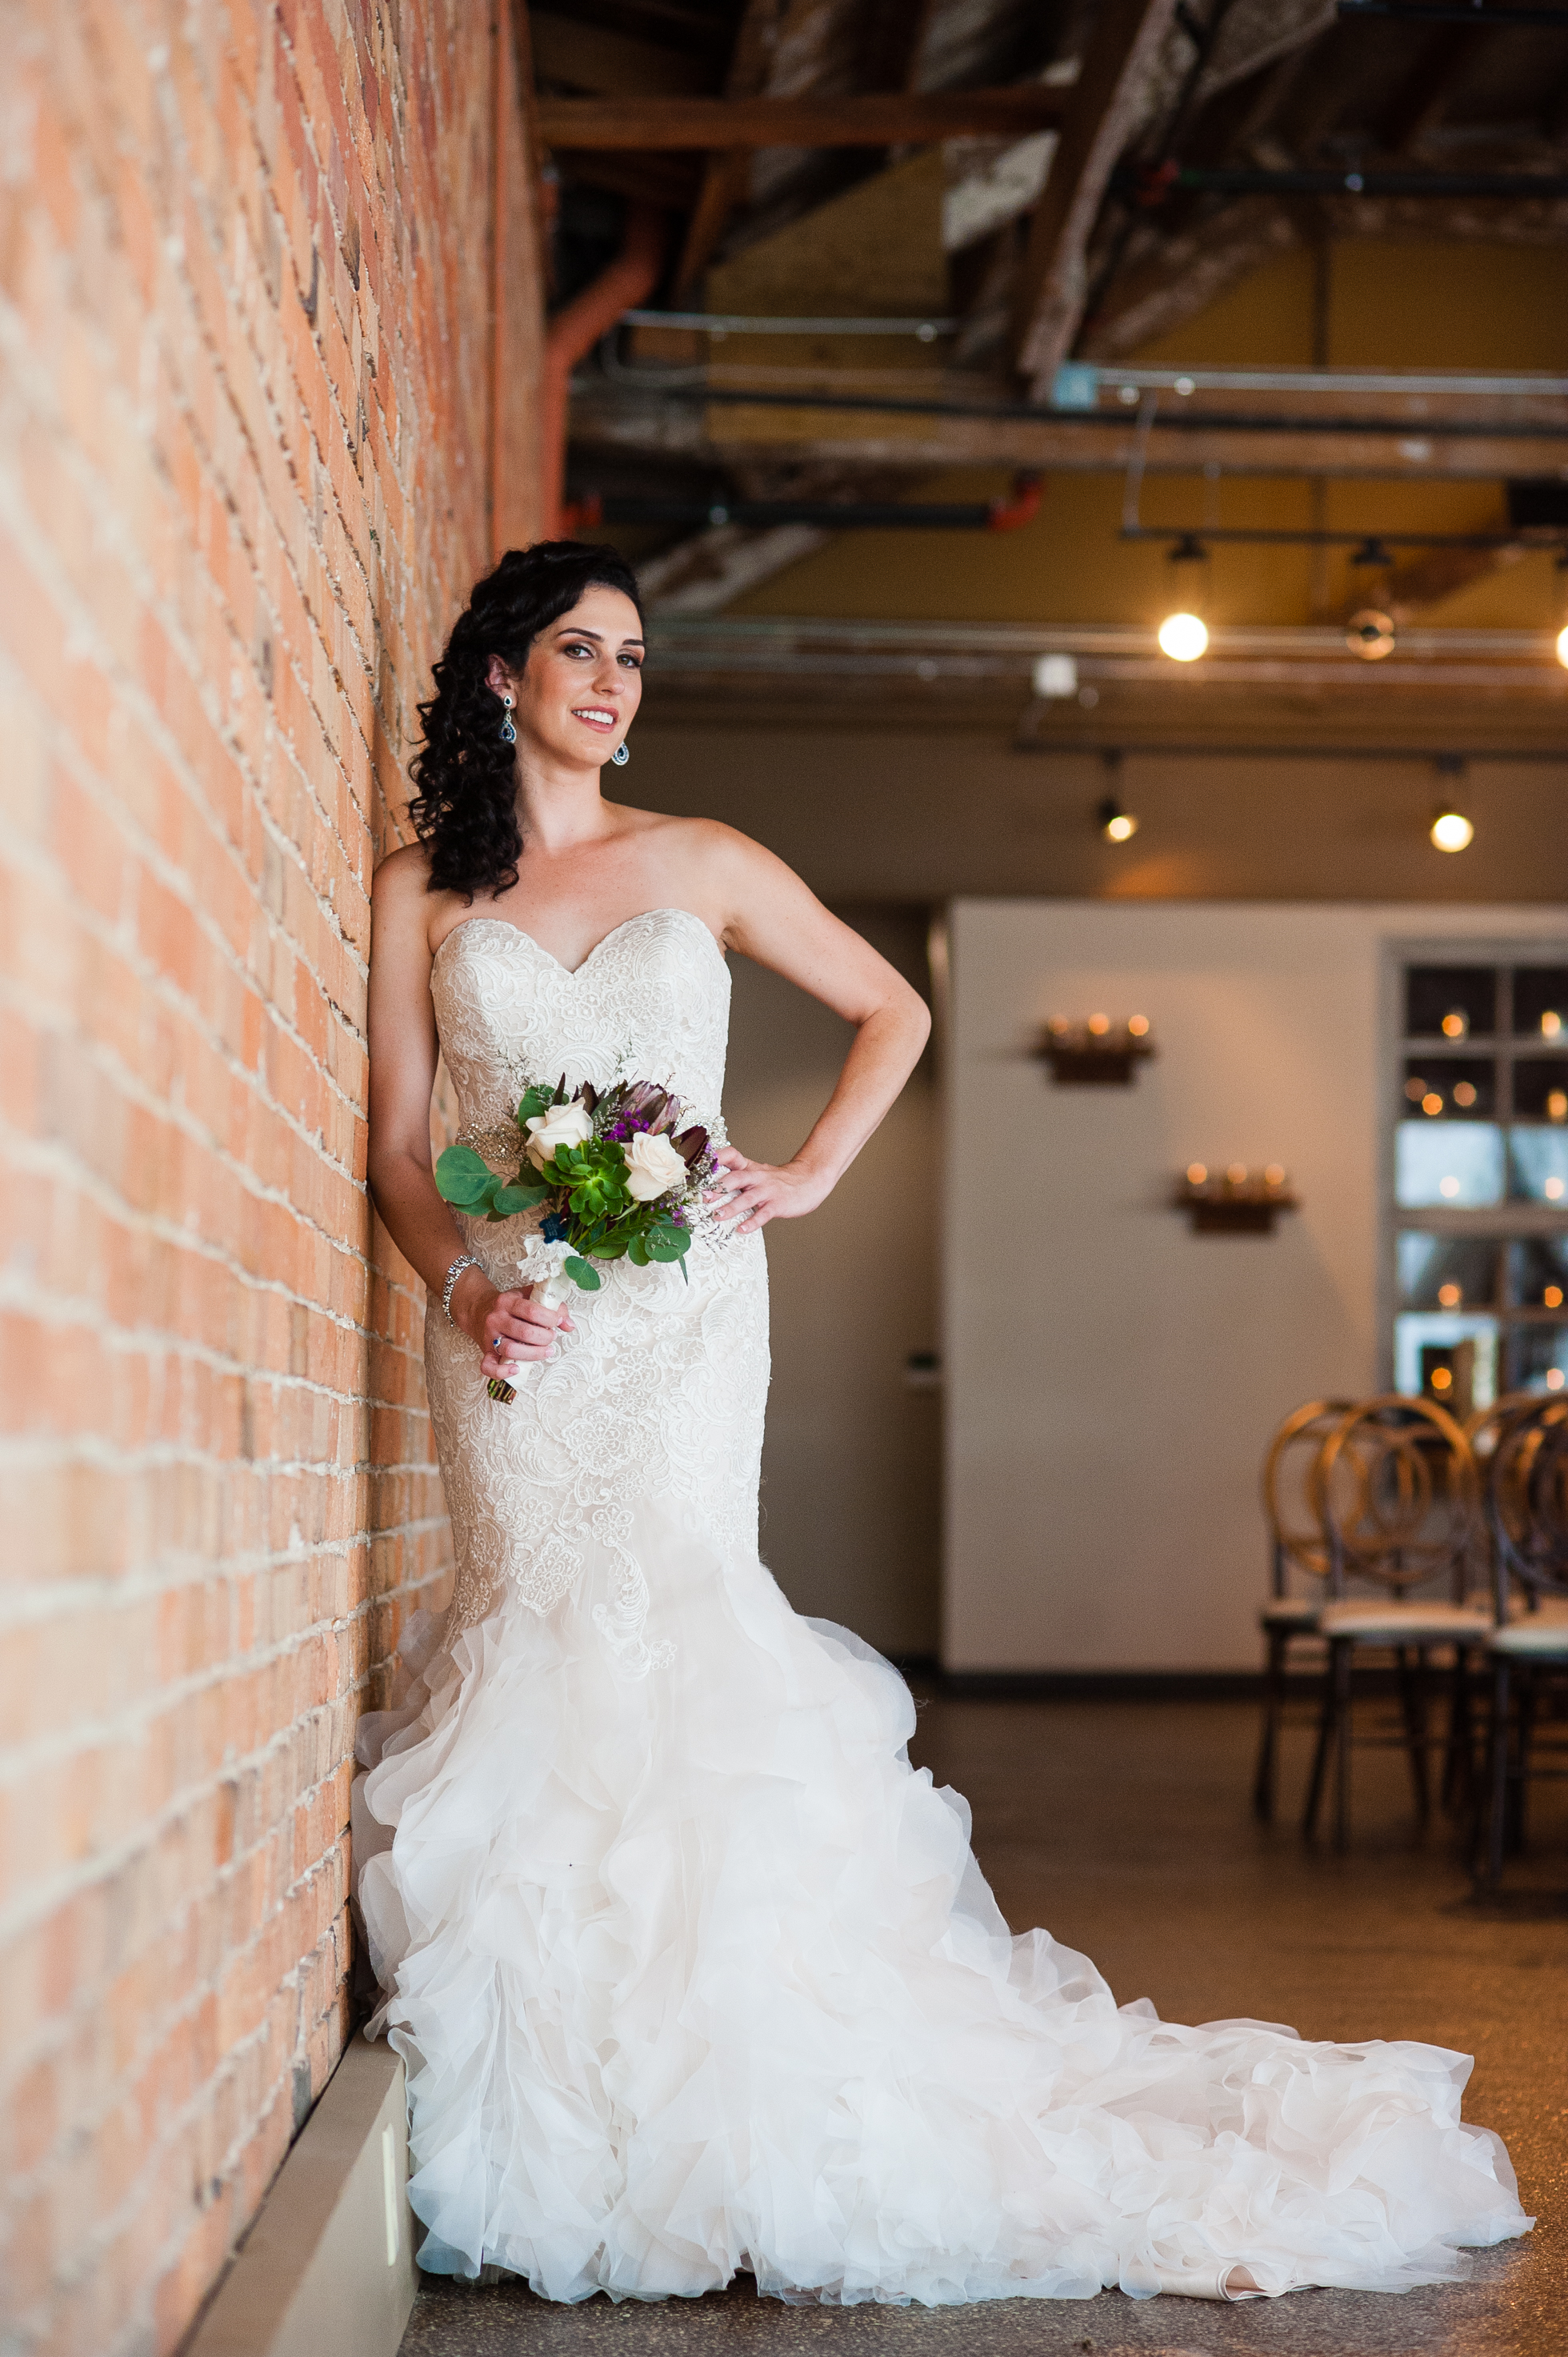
x=1480, y=1172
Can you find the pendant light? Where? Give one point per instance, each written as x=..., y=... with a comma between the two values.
x=1183, y=634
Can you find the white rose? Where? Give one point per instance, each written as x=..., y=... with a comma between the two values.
x=564, y=1124
x=653, y=1168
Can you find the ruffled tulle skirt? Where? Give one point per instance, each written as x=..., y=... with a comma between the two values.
x=695, y=1974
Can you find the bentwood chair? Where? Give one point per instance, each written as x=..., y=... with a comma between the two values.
x=1527, y=1516
x=1396, y=1489
x=1296, y=1545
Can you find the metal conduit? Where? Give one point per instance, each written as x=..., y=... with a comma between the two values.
x=746, y=323
x=1075, y=379
x=1183, y=420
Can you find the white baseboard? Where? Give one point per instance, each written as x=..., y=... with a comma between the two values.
x=329, y=2265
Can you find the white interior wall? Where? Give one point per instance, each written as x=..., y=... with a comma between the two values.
x=1112, y=1378
x=852, y=1463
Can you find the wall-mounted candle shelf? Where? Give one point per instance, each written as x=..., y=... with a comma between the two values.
x=1094, y=1053
x=1235, y=1201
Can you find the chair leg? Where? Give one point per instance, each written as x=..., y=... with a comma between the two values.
x=1268, y=1740
x=1325, y=1725
x=1527, y=1698
x=1343, y=1651
x=1459, y=1759
x=1413, y=1707
x=1497, y=1758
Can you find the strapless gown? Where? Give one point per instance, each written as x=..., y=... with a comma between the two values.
x=693, y=1974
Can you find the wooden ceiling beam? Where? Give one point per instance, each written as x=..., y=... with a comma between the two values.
x=727, y=173
x=1101, y=114
x=1424, y=98
x=1436, y=575
x=614, y=65
x=888, y=119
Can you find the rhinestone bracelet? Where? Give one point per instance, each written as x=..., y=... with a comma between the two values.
x=463, y=1260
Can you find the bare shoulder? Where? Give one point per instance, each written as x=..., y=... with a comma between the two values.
x=402, y=907
x=704, y=847
x=401, y=877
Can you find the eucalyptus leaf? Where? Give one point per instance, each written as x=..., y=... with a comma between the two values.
x=637, y=1252
x=464, y=1178
x=582, y=1273
x=510, y=1201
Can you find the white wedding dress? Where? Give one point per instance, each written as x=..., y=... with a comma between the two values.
x=692, y=1972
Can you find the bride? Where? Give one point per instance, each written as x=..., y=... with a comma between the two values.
x=692, y=1972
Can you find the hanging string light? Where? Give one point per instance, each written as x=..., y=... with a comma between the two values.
x=1116, y=822
x=1451, y=829
x=1369, y=632
x=1183, y=634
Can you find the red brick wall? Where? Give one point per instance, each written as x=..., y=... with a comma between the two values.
x=248, y=254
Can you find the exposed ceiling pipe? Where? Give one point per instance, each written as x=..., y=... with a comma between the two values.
x=1008, y=514
x=1182, y=420
x=1515, y=188
x=571, y=334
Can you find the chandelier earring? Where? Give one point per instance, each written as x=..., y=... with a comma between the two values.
x=620, y=757
x=508, y=734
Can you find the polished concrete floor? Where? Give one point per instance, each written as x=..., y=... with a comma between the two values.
x=1124, y=1828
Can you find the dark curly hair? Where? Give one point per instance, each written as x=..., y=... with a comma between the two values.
x=466, y=809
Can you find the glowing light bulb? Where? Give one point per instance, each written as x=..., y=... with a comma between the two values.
x=1452, y=831
x=1553, y=1297
x=1551, y=1024
x=1100, y=1025
x=1236, y=1174
x=1431, y=1102
x=1273, y=1174
x=1121, y=827
x=1557, y=1104
x=1553, y=1379
x=1456, y=1024
x=1441, y=1379
x=1196, y=1173
x=1138, y=1025
x=1552, y=1190
x=1448, y=1188
x=1183, y=637
x=1450, y=1295
x=1563, y=645
x=1465, y=1094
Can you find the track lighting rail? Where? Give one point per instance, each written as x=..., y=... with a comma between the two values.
x=1448, y=12
x=1375, y=543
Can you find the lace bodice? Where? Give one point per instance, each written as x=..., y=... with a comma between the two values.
x=650, y=1002
x=653, y=1407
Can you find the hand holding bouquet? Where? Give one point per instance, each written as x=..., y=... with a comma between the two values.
x=617, y=1175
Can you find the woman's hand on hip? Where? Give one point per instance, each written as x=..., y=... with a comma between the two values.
x=752, y=1193
x=511, y=1328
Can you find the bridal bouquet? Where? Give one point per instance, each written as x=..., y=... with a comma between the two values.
x=620, y=1176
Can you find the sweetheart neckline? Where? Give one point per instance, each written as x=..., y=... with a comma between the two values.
x=572, y=972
